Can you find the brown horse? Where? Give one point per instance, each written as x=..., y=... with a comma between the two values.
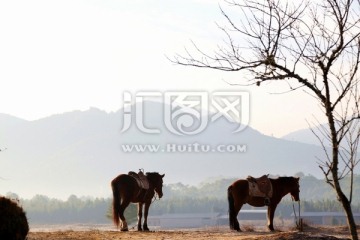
x=126, y=189
x=238, y=195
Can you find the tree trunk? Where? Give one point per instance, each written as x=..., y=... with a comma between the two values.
x=350, y=218
x=345, y=203
x=336, y=182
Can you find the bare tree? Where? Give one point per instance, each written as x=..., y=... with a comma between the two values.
x=313, y=45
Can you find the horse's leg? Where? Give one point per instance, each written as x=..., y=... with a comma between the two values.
x=146, y=211
x=124, y=204
x=234, y=208
x=237, y=208
x=140, y=207
x=270, y=216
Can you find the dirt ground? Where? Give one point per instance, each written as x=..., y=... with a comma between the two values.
x=310, y=233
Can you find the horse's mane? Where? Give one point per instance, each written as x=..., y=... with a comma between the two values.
x=285, y=179
x=153, y=176
x=152, y=173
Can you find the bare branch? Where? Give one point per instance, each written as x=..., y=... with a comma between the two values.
x=313, y=45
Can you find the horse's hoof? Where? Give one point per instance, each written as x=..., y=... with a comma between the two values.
x=145, y=228
x=124, y=230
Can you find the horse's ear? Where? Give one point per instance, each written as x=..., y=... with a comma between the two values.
x=162, y=176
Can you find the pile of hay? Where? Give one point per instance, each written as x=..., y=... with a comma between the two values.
x=13, y=222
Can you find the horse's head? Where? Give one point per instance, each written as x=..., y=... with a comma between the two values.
x=157, y=181
x=295, y=189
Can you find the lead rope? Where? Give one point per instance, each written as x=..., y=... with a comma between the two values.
x=298, y=221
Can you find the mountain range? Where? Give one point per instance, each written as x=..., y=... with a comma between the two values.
x=309, y=135
x=80, y=152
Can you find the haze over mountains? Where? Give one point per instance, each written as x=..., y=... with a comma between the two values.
x=80, y=152
x=307, y=136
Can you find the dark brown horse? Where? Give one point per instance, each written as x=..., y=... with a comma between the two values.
x=238, y=195
x=126, y=189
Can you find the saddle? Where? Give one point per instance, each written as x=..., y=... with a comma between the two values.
x=260, y=187
x=140, y=178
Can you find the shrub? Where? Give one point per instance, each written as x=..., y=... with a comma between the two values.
x=13, y=222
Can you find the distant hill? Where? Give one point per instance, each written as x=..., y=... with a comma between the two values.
x=315, y=134
x=307, y=136
x=80, y=152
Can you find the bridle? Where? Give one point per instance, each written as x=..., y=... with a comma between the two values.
x=156, y=197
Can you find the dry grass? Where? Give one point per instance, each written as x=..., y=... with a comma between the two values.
x=219, y=233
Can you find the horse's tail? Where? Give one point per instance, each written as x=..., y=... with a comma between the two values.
x=116, y=202
x=232, y=215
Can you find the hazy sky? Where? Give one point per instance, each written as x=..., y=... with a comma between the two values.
x=59, y=56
